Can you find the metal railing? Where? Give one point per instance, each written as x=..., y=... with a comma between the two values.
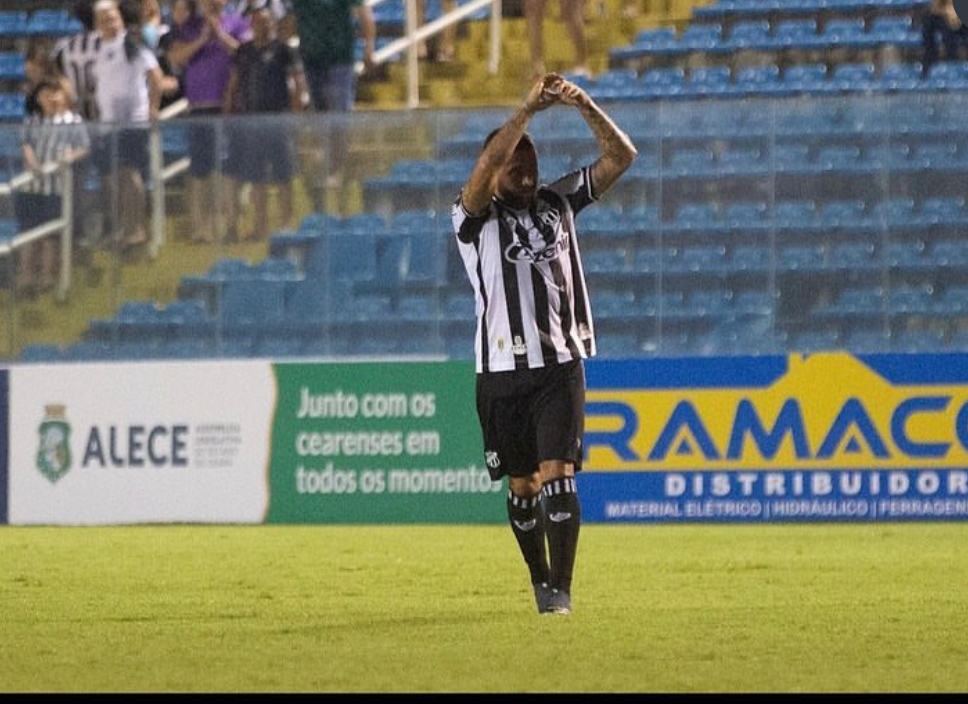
x=414, y=33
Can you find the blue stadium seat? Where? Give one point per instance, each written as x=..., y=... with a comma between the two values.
x=900, y=77
x=805, y=78
x=700, y=37
x=702, y=303
x=853, y=256
x=41, y=352
x=844, y=214
x=867, y=340
x=943, y=211
x=688, y=161
x=750, y=258
x=13, y=23
x=54, y=22
x=605, y=261
x=797, y=33
x=918, y=341
x=745, y=216
x=845, y=32
x=647, y=42
x=908, y=298
x=691, y=217
x=663, y=82
x=905, y=254
x=895, y=213
x=815, y=341
x=186, y=319
x=756, y=81
x=953, y=301
x=947, y=75
x=748, y=35
x=702, y=258
x=949, y=253
x=604, y=222
x=858, y=300
x=753, y=302
x=895, y=30
x=741, y=162
x=853, y=77
x=12, y=106
x=12, y=66
x=839, y=158
x=801, y=257
x=708, y=81
x=614, y=84
x=791, y=215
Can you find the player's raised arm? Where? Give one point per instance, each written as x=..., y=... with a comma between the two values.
x=476, y=193
x=618, y=152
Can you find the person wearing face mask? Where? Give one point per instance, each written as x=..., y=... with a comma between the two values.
x=128, y=84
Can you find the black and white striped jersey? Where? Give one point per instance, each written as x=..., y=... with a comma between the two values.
x=529, y=286
x=51, y=137
x=76, y=55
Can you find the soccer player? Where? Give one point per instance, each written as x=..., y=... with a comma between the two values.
x=519, y=246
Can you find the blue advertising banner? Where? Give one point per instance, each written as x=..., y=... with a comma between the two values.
x=824, y=437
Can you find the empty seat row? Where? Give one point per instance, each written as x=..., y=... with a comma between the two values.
x=729, y=12
x=770, y=80
x=800, y=34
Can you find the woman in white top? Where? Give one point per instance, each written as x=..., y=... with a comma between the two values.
x=128, y=90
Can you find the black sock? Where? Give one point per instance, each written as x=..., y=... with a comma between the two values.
x=527, y=524
x=562, y=523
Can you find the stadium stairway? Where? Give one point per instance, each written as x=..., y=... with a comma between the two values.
x=466, y=82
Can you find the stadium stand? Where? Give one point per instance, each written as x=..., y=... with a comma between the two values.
x=828, y=167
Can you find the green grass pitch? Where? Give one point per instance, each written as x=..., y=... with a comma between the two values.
x=667, y=608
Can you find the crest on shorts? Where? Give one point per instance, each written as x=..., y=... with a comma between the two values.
x=491, y=459
x=54, y=450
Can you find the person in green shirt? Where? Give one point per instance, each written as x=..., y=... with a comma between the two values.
x=327, y=31
x=327, y=41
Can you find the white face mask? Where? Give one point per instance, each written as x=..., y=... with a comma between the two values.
x=149, y=33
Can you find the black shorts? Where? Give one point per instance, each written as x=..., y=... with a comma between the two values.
x=530, y=416
x=124, y=147
x=260, y=154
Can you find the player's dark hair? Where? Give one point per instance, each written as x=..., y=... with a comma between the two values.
x=526, y=138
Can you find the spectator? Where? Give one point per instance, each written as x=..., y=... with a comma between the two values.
x=152, y=23
x=327, y=32
x=128, y=94
x=203, y=48
x=75, y=57
x=267, y=78
x=446, y=40
x=181, y=11
x=57, y=134
x=281, y=12
x=327, y=43
x=572, y=14
x=39, y=65
x=942, y=29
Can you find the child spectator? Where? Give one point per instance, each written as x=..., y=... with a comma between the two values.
x=57, y=134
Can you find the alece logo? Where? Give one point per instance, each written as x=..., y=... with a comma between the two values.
x=54, y=450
